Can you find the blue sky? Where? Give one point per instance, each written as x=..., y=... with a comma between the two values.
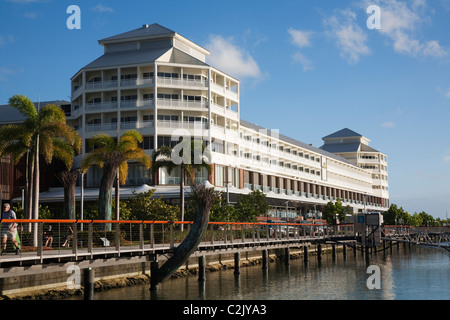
x=307, y=68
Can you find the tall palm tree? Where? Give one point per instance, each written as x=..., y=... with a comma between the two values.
x=66, y=152
x=112, y=156
x=190, y=156
x=38, y=134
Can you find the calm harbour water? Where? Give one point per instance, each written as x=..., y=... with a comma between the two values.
x=408, y=273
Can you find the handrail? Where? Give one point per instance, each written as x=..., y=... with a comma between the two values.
x=156, y=222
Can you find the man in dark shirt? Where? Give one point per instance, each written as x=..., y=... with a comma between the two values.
x=9, y=229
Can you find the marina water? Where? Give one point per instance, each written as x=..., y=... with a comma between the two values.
x=406, y=273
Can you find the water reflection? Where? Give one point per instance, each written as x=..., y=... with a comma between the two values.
x=406, y=273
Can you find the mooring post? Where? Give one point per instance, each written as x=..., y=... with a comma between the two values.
x=154, y=267
x=305, y=253
x=287, y=256
x=344, y=250
x=319, y=252
x=333, y=251
x=201, y=268
x=237, y=267
x=89, y=284
x=265, y=259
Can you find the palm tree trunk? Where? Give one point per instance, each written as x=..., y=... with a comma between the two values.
x=117, y=197
x=204, y=199
x=181, y=196
x=69, y=181
x=105, y=195
x=29, y=188
x=36, y=194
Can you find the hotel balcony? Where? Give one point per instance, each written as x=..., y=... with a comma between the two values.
x=182, y=83
x=181, y=104
x=101, y=127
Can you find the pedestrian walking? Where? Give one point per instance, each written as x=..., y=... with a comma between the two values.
x=9, y=229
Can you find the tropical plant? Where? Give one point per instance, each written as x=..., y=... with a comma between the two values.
x=333, y=210
x=42, y=132
x=66, y=152
x=190, y=156
x=250, y=206
x=142, y=206
x=113, y=156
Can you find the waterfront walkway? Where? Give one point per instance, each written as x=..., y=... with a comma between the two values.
x=91, y=240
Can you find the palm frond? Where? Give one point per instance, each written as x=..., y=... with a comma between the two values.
x=24, y=105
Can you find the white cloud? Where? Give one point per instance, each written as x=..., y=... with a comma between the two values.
x=305, y=62
x=4, y=40
x=102, y=9
x=5, y=72
x=350, y=38
x=30, y=15
x=388, y=124
x=444, y=92
x=447, y=159
x=300, y=38
x=230, y=58
x=401, y=22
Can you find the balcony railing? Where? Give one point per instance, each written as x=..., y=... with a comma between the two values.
x=101, y=127
x=182, y=82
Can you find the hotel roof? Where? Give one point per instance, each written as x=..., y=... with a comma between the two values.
x=344, y=133
x=146, y=31
x=12, y=115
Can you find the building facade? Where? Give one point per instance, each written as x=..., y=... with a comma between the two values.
x=154, y=80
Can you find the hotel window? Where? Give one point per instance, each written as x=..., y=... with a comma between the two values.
x=95, y=79
x=168, y=96
x=193, y=77
x=128, y=76
x=138, y=175
x=147, y=143
x=166, y=141
x=219, y=175
x=128, y=119
x=168, y=75
x=148, y=96
x=147, y=117
x=167, y=117
x=300, y=154
x=131, y=97
x=147, y=75
x=192, y=98
x=217, y=146
x=233, y=177
x=95, y=100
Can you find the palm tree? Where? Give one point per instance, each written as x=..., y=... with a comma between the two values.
x=112, y=156
x=66, y=152
x=40, y=133
x=190, y=156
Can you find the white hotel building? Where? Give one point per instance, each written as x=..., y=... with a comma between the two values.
x=156, y=81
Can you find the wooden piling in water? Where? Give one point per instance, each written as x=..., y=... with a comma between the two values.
x=237, y=266
x=201, y=268
x=89, y=279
